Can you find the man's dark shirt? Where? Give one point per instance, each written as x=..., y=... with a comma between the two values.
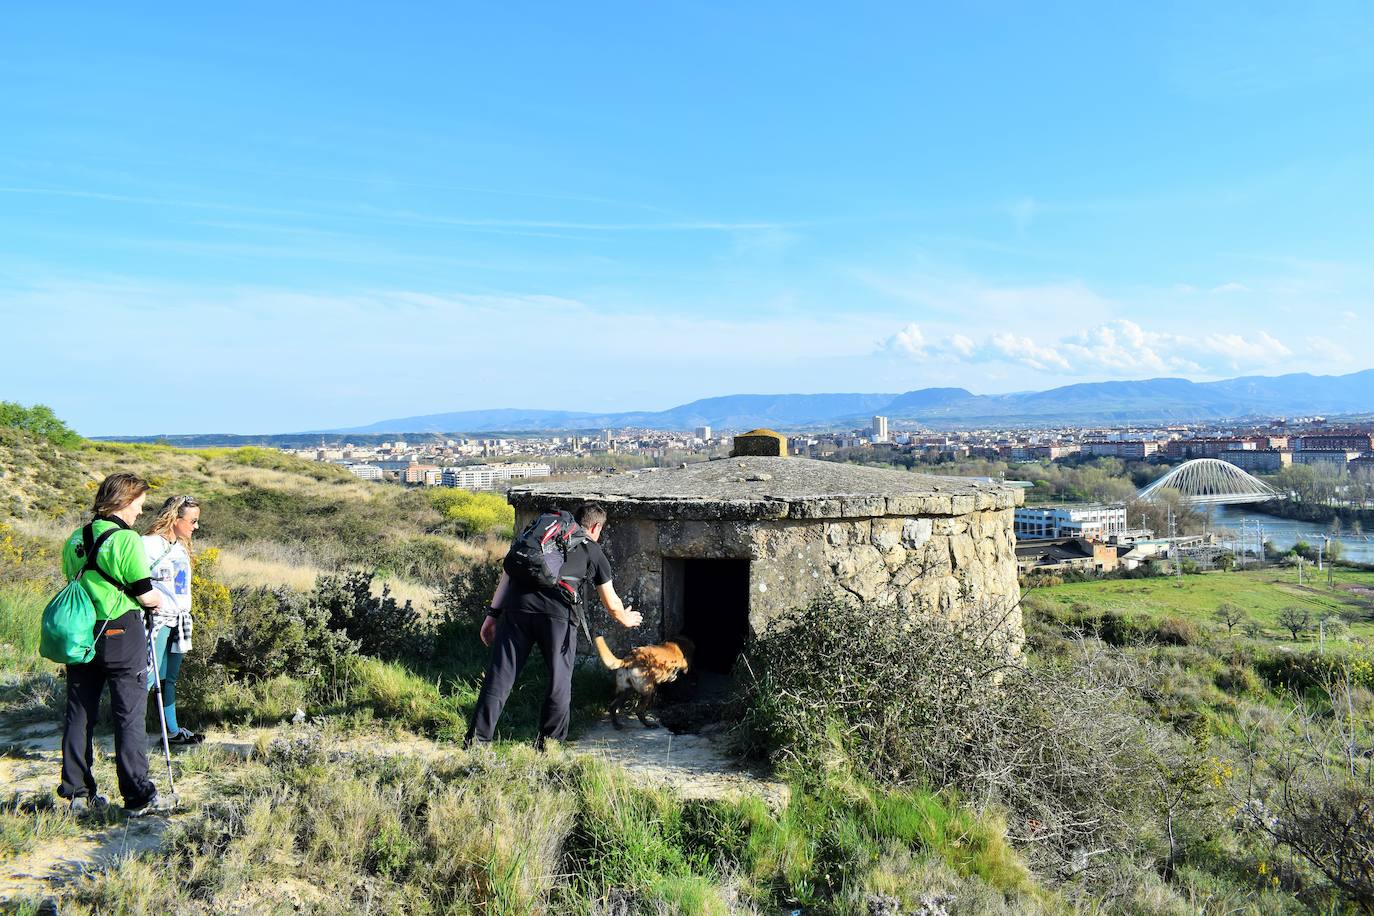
x=586, y=562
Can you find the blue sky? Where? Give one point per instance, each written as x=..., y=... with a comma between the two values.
x=279, y=217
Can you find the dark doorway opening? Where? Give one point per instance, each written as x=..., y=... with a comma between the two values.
x=715, y=611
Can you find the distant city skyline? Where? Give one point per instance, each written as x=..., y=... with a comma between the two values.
x=280, y=219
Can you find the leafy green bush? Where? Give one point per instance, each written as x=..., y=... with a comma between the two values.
x=39, y=421
x=279, y=632
x=1315, y=670
x=378, y=625
x=1241, y=680
x=464, y=601
x=475, y=512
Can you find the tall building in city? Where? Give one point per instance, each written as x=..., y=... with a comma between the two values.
x=880, y=429
x=703, y=433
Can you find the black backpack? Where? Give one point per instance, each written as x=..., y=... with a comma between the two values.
x=535, y=559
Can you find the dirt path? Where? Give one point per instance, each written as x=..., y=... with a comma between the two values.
x=692, y=765
x=28, y=771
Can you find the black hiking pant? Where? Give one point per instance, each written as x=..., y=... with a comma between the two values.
x=121, y=660
x=517, y=632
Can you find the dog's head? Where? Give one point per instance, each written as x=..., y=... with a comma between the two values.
x=686, y=647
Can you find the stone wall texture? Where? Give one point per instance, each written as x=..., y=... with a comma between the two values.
x=906, y=566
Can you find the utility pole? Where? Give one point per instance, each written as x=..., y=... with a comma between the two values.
x=1173, y=546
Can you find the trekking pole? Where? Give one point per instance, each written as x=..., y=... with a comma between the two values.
x=161, y=713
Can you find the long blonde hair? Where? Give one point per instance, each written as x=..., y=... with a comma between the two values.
x=174, y=508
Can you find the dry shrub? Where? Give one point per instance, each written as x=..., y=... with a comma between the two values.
x=941, y=703
x=1310, y=789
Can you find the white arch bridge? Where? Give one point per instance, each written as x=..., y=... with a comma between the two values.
x=1211, y=482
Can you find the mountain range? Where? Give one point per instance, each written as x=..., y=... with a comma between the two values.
x=1148, y=400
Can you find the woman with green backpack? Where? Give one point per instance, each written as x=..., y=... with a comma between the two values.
x=106, y=558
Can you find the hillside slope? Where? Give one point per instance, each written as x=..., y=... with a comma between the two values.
x=268, y=508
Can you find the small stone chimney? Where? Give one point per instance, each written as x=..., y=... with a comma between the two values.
x=763, y=443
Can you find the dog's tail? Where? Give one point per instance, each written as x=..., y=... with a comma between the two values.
x=607, y=656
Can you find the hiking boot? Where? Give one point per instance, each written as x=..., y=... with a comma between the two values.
x=158, y=804
x=184, y=736
x=81, y=805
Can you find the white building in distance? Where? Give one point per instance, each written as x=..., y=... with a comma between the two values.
x=1096, y=522
x=489, y=476
x=366, y=471
x=880, y=429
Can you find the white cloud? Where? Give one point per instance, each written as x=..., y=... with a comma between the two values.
x=1328, y=350
x=1240, y=351
x=1232, y=287
x=1027, y=352
x=961, y=345
x=1120, y=348
x=909, y=341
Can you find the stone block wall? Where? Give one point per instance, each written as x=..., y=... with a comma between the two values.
x=907, y=566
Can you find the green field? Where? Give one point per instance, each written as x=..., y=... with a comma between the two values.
x=1262, y=593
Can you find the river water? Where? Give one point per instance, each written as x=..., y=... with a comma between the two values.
x=1286, y=532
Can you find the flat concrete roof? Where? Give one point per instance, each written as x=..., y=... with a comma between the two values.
x=770, y=488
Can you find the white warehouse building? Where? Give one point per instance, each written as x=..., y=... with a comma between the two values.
x=1092, y=521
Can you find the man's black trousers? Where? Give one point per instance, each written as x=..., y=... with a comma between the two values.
x=516, y=633
x=121, y=660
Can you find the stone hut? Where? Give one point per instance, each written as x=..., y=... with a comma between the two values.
x=717, y=550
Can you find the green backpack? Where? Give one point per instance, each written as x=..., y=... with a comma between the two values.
x=69, y=619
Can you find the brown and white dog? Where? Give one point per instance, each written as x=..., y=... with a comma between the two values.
x=640, y=673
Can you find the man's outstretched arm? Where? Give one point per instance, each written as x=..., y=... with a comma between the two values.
x=625, y=616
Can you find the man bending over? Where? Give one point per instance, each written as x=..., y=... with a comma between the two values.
x=523, y=616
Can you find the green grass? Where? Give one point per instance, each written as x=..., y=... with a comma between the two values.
x=514, y=832
x=366, y=693
x=24, y=826
x=21, y=618
x=1262, y=593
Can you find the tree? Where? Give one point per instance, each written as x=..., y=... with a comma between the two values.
x=1296, y=620
x=39, y=421
x=1230, y=615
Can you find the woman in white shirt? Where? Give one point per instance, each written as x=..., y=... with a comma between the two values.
x=168, y=544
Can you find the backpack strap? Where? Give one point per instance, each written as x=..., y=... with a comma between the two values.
x=165, y=554
x=92, y=544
